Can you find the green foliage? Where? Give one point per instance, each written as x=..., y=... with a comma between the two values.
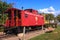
x=49, y=16
x=58, y=18
x=3, y=7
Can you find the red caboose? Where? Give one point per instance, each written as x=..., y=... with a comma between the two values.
x=19, y=18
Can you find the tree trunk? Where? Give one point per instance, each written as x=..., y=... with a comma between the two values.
x=2, y=17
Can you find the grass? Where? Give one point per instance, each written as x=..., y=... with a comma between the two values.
x=55, y=35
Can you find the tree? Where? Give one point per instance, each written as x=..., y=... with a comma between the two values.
x=3, y=7
x=49, y=16
x=58, y=17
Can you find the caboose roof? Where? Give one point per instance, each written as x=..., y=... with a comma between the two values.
x=31, y=9
x=11, y=9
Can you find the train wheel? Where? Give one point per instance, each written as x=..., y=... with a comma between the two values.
x=7, y=32
x=18, y=30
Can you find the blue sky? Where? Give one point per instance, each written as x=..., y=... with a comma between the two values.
x=36, y=4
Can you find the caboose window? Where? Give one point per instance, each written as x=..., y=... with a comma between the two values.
x=26, y=15
x=19, y=14
x=14, y=13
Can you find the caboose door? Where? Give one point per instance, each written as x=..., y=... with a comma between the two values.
x=17, y=17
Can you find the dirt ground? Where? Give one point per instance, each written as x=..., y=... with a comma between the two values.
x=27, y=35
x=33, y=34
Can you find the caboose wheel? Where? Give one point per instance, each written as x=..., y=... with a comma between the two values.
x=7, y=31
x=17, y=30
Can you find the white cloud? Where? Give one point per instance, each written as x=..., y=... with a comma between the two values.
x=47, y=10
x=57, y=13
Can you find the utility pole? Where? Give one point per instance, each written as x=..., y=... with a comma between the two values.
x=23, y=29
x=22, y=7
x=24, y=33
x=42, y=29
